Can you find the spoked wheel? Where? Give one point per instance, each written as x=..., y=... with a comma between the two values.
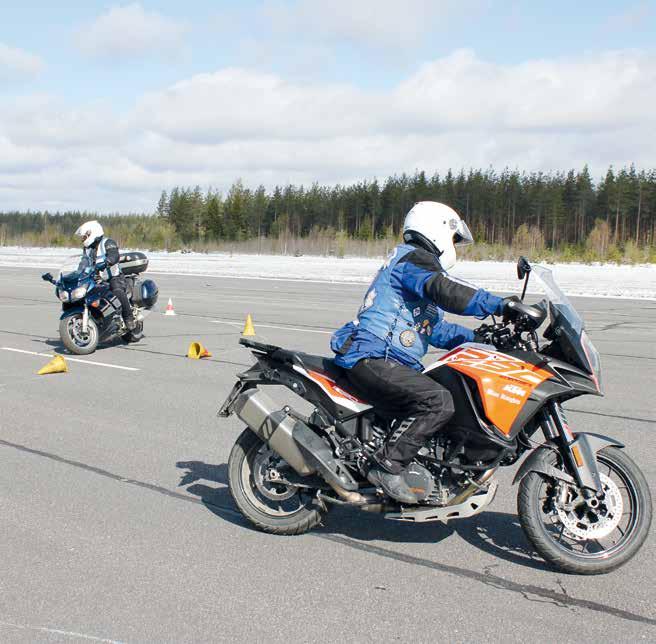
x=256, y=476
x=587, y=536
x=75, y=339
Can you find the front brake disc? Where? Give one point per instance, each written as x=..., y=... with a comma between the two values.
x=583, y=523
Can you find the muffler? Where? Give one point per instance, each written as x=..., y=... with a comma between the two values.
x=303, y=449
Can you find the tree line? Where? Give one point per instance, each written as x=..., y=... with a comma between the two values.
x=564, y=212
x=564, y=206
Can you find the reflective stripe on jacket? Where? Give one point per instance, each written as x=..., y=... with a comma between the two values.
x=106, y=257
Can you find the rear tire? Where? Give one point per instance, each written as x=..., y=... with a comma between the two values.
x=247, y=456
x=533, y=508
x=70, y=332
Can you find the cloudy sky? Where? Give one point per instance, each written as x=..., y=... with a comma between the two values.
x=103, y=105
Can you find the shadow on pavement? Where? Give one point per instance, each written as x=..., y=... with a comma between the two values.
x=496, y=533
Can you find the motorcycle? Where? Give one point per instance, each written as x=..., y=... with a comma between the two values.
x=91, y=313
x=582, y=501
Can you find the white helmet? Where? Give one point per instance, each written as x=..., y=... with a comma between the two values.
x=440, y=226
x=89, y=231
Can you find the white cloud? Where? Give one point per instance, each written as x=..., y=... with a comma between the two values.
x=127, y=32
x=17, y=64
x=457, y=111
x=242, y=104
x=605, y=91
x=378, y=23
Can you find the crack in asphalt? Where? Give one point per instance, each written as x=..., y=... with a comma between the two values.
x=528, y=591
x=598, y=413
x=624, y=355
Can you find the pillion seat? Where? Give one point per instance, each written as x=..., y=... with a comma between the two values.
x=320, y=364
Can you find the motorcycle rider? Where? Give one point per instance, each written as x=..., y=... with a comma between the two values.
x=103, y=252
x=402, y=314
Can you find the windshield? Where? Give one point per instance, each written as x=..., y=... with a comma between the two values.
x=560, y=305
x=74, y=266
x=567, y=328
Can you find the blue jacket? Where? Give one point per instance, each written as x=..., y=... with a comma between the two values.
x=403, y=311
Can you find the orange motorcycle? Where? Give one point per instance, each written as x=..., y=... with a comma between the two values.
x=582, y=502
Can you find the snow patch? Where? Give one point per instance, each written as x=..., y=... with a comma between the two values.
x=596, y=280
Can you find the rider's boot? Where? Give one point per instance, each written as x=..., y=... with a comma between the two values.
x=389, y=476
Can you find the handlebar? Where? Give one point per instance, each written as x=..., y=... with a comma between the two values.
x=519, y=318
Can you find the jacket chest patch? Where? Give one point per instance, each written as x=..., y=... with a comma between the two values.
x=407, y=338
x=432, y=311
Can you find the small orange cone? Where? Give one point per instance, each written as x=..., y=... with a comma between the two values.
x=198, y=351
x=56, y=365
x=249, y=329
x=169, y=308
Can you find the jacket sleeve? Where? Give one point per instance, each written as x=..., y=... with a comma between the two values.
x=423, y=276
x=447, y=335
x=111, y=252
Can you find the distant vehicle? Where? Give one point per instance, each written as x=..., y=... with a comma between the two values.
x=582, y=502
x=91, y=313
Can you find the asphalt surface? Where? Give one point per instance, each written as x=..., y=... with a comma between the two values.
x=116, y=523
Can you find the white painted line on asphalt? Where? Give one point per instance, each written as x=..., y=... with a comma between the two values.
x=56, y=631
x=275, y=326
x=52, y=355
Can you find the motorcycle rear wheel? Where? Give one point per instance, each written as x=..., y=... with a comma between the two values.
x=74, y=339
x=270, y=507
x=558, y=532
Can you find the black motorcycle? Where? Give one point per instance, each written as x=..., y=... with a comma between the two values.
x=582, y=502
x=91, y=313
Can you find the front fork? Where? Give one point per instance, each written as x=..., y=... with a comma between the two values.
x=85, y=319
x=575, y=448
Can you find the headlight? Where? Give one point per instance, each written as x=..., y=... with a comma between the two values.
x=593, y=357
x=78, y=293
x=62, y=295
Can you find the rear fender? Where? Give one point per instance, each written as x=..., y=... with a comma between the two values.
x=246, y=380
x=589, y=445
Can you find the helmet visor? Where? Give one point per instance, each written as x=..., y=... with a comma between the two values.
x=462, y=235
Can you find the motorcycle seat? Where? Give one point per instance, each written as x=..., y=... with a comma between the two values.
x=309, y=362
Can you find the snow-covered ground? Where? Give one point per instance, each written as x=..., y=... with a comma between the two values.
x=607, y=280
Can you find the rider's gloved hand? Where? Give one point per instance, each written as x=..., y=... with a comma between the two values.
x=47, y=277
x=509, y=307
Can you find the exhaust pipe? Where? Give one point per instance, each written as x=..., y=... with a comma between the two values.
x=292, y=439
x=472, y=488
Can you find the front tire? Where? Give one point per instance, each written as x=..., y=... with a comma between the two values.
x=574, y=539
x=76, y=340
x=270, y=507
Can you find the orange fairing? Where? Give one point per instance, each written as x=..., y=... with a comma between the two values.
x=504, y=382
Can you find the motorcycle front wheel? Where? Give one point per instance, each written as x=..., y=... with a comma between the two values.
x=587, y=537
x=75, y=339
x=254, y=476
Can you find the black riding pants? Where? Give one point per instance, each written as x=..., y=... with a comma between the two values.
x=420, y=405
x=119, y=288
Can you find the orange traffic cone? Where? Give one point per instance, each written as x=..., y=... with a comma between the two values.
x=169, y=308
x=56, y=365
x=249, y=329
x=198, y=351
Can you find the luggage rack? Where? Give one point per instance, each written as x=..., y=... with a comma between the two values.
x=258, y=346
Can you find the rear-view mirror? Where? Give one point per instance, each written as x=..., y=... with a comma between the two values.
x=523, y=268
